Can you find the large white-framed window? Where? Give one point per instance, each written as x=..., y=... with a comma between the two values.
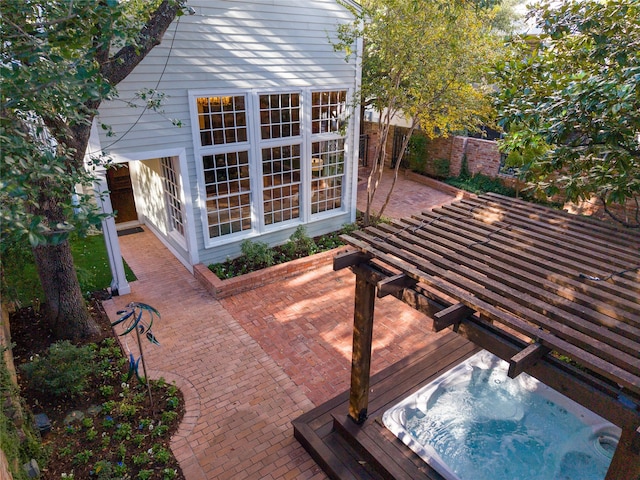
x=280, y=155
x=225, y=163
x=268, y=159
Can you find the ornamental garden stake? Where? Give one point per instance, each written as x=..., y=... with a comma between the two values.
x=132, y=318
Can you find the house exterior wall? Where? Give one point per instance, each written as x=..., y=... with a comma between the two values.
x=231, y=46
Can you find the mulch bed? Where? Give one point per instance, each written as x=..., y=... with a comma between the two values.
x=31, y=336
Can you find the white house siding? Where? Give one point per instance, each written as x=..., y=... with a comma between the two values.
x=231, y=45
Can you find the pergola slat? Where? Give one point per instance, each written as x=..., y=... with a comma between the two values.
x=571, y=235
x=526, y=268
x=525, y=235
x=561, y=335
x=598, y=312
x=463, y=227
x=567, y=286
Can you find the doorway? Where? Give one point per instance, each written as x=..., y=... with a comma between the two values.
x=122, y=198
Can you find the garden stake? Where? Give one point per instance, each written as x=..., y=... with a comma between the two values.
x=134, y=316
x=144, y=369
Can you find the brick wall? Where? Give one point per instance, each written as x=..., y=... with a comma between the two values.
x=482, y=155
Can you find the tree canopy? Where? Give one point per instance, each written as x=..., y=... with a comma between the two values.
x=424, y=61
x=570, y=102
x=59, y=61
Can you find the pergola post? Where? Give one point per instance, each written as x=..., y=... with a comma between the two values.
x=626, y=459
x=362, y=341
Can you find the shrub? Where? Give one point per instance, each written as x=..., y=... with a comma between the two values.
x=441, y=167
x=300, y=244
x=417, y=153
x=257, y=254
x=64, y=370
x=481, y=184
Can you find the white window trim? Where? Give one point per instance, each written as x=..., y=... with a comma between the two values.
x=254, y=146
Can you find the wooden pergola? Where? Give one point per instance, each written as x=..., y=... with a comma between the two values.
x=530, y=284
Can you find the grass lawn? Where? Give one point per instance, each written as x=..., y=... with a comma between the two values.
x=92, y=265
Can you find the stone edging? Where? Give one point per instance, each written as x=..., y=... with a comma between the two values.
x=225, y=288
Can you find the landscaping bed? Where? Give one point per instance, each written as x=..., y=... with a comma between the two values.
x=107, y=428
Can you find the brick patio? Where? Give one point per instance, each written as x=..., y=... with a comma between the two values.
x=251, y=363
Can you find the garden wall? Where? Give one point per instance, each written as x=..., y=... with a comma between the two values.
x=482, y=155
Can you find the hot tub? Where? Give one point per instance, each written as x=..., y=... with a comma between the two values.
x=475, y=423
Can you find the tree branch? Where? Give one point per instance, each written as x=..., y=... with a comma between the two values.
x=127, y=58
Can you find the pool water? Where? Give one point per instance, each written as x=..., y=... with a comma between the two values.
x=475, y=423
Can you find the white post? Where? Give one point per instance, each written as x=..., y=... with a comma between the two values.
x=119, y=283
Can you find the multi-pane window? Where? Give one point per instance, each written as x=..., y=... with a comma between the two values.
x=328, y=119
x=228, y=187
x=296, y=152
x=279, y=115
x=327, y=174
x=281, y=183
x=328, y=111
x=222, y=120
x=172, y=195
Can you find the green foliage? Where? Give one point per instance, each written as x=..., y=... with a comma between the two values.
x=257, y=254
x=479, y=184
x=425, y=62
x=417, y=153
x=571, y=103
x=441, y=168
x=298, y=246
x=20, y=282
x=58, y=62
x=20, y=443
x=63, y=371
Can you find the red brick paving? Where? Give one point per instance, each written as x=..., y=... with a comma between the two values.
x=250, y=364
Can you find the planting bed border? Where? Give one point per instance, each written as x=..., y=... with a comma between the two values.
x=224, y=288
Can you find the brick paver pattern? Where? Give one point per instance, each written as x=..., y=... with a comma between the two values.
x=250, y=364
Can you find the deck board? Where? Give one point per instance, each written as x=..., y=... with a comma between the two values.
x=345, y=450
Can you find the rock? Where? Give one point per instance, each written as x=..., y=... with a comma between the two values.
x=75, y=416
x=32, y=469
x=94, y=410
x=43, y=424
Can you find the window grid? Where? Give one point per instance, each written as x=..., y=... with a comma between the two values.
x=223, y=120
x=172, y=195
x=228, y=188
x=281, y=181
x=327, y=172
x=279, y=115
x=328, y=111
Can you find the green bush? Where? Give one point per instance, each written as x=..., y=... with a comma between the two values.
x=417, y=153
x=480, y=183
x=299, y=244
x=64, y=370
x=18, y=439
x=257, y=254
x=441, y=167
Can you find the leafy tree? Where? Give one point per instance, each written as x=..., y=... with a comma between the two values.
x=59, y=61
x=424, y=61
x=571, y=103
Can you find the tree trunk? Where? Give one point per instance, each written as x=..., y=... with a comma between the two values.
x=65, y=308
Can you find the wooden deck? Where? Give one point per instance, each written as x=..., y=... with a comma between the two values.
x=345, y=450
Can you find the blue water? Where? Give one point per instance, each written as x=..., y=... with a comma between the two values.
x=496, y=428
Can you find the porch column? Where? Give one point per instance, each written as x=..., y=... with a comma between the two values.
x=361, y=356
x=626, y=459
x=119, y=283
